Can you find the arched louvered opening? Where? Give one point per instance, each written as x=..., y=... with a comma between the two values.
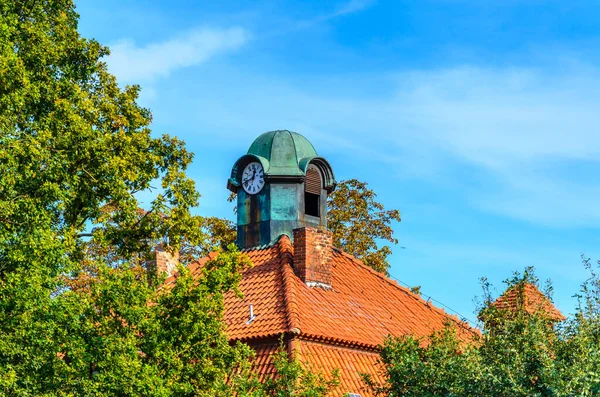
x=312, y=191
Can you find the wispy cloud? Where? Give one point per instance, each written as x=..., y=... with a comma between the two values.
x=353, y=6
x=346, y=8
x=133, y=63
x=533, y=133
x=518, y=142
x=497, y=117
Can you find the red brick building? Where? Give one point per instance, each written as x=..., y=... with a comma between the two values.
x=331, y=310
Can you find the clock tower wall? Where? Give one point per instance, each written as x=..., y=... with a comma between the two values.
x=253, y=216
x=296, y=184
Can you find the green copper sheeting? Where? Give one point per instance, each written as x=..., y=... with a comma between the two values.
x=280, y=206
x=284, y=150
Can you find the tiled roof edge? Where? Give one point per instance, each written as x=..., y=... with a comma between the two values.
x=395, y=284
x=341, y=342
x=310, y=337
x=286, y=256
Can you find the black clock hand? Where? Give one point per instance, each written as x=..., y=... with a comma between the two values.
x=250, y=178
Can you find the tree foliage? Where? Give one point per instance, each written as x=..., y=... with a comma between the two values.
x=78, y=315
x=359, y=223
x=80, y=312
x=106, y=339
x=219, y=234
x=519, y=353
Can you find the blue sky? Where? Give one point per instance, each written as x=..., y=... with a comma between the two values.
x=477, y=119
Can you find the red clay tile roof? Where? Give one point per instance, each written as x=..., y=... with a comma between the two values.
x=361, y=309
x=350, y=363
x=340, y=327
x=320, y=357
x=263, y=288
x=262, y=365
x=532, y=299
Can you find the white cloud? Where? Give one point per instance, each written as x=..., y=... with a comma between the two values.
x=133, y=63
x=539, y=197
x=498, y=118
x=534, y=133
x=530, y=136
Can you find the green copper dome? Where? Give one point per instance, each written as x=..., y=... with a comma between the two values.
x=294, y=190
x=284, y=150
x=284, y=155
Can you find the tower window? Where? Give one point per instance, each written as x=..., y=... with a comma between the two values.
x=312, y=192
x=311, y=204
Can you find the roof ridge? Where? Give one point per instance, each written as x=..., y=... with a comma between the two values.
x=286, y=257
x=404, y=289
x=295, y=147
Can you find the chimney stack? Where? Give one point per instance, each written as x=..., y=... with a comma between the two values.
x=313, y=256
x=165, y=261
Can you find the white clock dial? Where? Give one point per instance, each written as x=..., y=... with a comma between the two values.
x=253, y=178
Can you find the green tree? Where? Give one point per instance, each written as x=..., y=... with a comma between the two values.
x=519, y=353
x=359, y=223
x=80, y=312
x=219, y=234
x=294, y=379
x=77, y=313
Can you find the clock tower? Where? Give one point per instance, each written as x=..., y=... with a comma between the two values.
x=281, y=185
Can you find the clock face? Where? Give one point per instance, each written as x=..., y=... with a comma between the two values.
x=253, y=178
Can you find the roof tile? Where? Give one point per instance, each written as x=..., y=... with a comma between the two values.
x=351, y=363
x=362, y=308
x=532, y=299
x=341, y=327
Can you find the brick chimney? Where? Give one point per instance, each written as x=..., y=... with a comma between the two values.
x=165, y=261
x=313, y=256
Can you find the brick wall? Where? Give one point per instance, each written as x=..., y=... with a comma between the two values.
x=164, y=261
x=313, y=256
